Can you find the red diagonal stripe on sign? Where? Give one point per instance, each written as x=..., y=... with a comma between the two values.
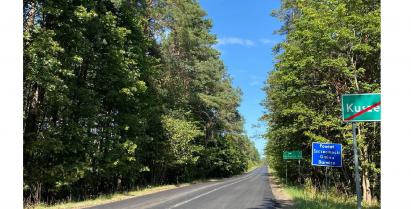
x=362, y=111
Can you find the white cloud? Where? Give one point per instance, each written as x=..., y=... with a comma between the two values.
x=267, y=41
x=235, y=41
x=244, y=42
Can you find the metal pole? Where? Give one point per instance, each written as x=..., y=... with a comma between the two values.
x=286, y=174
x=357, y=173
x=299, y=172
x=326, y=186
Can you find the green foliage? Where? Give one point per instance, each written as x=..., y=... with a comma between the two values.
x=181, y=135
x=332, y=47
x=121, y=94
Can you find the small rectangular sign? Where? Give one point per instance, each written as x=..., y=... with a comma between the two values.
x=289, y=155
x=326, y=154
x=361, y=107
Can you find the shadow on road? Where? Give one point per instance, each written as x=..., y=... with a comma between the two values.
x=268, y=203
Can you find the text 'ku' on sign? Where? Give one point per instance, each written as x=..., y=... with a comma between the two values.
x=289, y=155
x=326, y=154
x=361, y=107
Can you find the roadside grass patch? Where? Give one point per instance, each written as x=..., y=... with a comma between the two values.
x=103, y=199
x=308, y=198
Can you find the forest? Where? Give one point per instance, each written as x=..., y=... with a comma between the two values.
x=331, y=47
x=123, y=94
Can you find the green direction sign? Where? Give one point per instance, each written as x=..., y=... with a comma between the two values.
x=288, y=155
x=361, y=107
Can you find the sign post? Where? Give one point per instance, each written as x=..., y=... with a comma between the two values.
x=326, y=186
x=357, y=108
x=299, y=171
x=327, y=155
x=356, y=169
x=291, y=155
x=286, y=173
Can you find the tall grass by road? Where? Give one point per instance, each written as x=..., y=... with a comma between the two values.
x=308, y=198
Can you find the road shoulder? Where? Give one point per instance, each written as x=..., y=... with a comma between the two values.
x=282, y=199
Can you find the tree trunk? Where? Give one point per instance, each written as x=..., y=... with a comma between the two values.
x=31, y=123
x=366, y=186
x=30, y=16
x=119, y=183
x=37, y=193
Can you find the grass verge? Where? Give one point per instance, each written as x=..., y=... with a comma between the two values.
x=308, y=198
x=106, y=198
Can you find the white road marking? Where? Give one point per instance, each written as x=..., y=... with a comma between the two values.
x=204, y=194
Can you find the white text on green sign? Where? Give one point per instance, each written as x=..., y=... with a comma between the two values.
x=361, y=107
x=289, y=155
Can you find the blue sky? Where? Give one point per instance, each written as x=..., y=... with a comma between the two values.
x=244, y=30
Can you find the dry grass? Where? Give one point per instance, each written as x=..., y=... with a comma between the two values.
x=308, y=197
x=103, y=199
x=311, y=199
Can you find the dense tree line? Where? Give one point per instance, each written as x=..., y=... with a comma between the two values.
x=331, y=47
x=124, y=93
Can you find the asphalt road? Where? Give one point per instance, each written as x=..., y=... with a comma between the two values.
x=248, y=191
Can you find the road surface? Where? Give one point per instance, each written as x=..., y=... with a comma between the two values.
x=247, y=191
